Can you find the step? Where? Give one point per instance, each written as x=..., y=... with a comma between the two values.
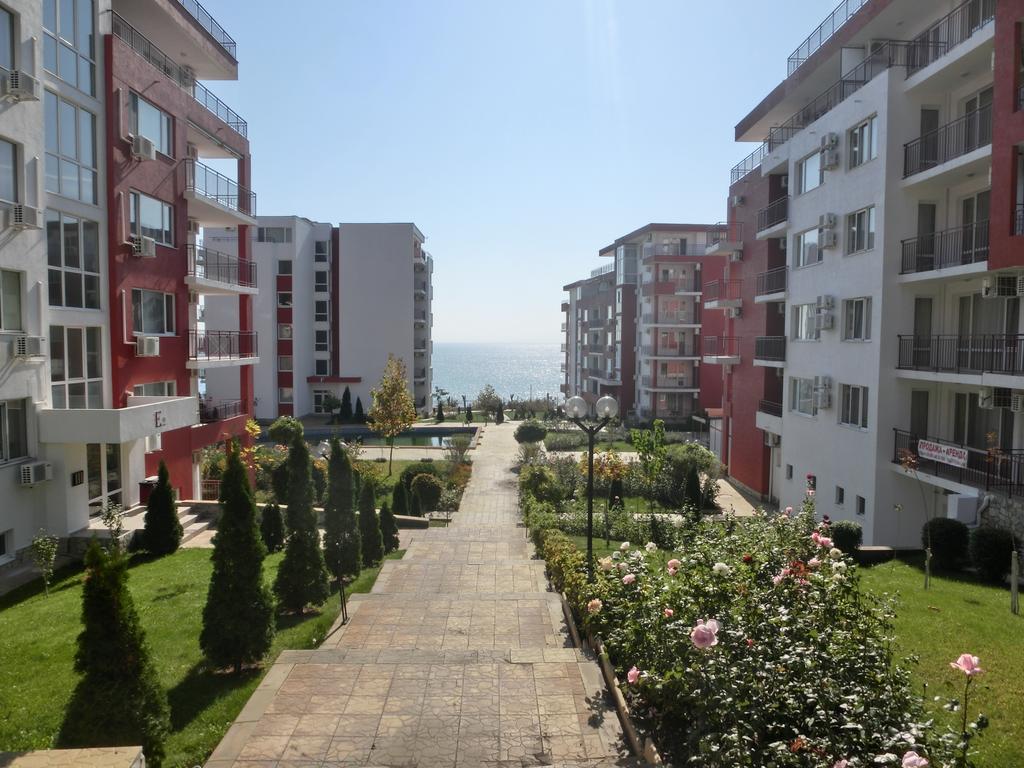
x=194, y=529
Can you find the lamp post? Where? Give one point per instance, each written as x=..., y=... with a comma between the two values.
x=576, y=409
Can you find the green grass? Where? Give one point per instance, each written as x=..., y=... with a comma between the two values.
x=958, y=615
x=37, y=645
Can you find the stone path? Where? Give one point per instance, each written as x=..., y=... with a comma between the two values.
x=460, y=656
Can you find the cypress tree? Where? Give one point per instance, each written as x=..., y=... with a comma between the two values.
x=399, y=499
x=118, y=699
x=499, y=414
x=272, y=528
x=469, y=414
x=238, y=619
x=415, y=509
x=341, y=534
x=388, y=528
x=359, y=416
x=345, y=414
x=162, y=533
x=369, y=527
x=302, y=576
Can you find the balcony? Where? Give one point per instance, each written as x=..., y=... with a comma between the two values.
x=832, y=23
x=217, y=349
x=947, y=34
x=420, y=289
x=723, y=294
x=143, y=417
x=994, y=469
x=672, y=286
x=210, y=412
x=771, y=285
x=772, y=219
x=770, y=351
x=671, y=382
x=687, y=350
x=952, y=248
x=216, y=200
x=671, y=251
x=209, y=24
x=419, y=319
x=724, y=238
x=721, y=350
x=213, y=272
x=673, y=319
x=769, y=416
x=184, y=79
x=419, y=376
x=962, y=145
x=976, y=355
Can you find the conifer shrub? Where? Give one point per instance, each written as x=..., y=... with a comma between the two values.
x=427, y=488
x=991, y=550
x=415, y=509
x=530, y=432
x=272, y=528
x=399, y=499
x=342, y=547
x=359, y=416
x=162, y=533
x=948, y=539
x=419, y=468
x=345, y=413
x=616, y=494
x=369, y=527
x=388, y=528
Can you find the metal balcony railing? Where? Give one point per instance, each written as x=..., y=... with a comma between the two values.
x=687, y=284
x=210, y=412
x=1018, y=220
x=832, y=23
x=988, y=469
x=692, y=247
x=721, y=346
x=215, y=30
x=221, y=345
x=209, y=490
x=725, y=232
x=748, y=164
x=771, y=348
x=973, y=354
x=769, y=407
x=206, y=182
x=949, y=248
x=948, y=142
x=604, y=269
x=139, y=43
x=420, y=373
x=772, y=281
x=948, y=32
x=774, y=213
x=670, y=381
x=670, y=318
x=221, y=267
x=719, y=290
x=691, y=349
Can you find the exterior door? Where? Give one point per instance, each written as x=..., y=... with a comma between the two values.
x=919, y=413
x=926, y=216
x=974, y=213
x=929, y=138
x=978, y=123
x=922, y=342
x=103, y=473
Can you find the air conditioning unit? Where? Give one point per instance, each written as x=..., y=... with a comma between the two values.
x=1020, y=284
x=823, y=392
x=826, y=302
x=783, y=244
x=147, y=346
x=733, y=312
x=829, y=239
x=784, y=182
x=20, y=86
x=829, y=159
x=193, y=226
x=736, y=256
x=772, y=441
x=829, y=141
x=27, y=346
x=737, y=201
x=986, y=398
x=1017, y=402
x=825, y=321
x=35, y=472
x=153, y=443
x=25, y=217
x=827, y=221
x=144, y=247
x=143, y=148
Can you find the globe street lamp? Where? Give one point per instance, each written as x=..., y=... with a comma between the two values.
x=576, y=408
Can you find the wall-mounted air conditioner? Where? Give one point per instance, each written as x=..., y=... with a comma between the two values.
x=1017, y=402
x=144, y=247
x=153, y=443
x=143, y=148
x=20, y=86
x=737, y=201
x=736, y=256
x=733, y=312
x=35, y=472
x=829, y=141
x=826, y=303
x=986, y=398
x=147, y=346
x=823, y=392
x=22, y=217
x=829, y=239
x=829, y=159
x=27, y=346
x=827, y=221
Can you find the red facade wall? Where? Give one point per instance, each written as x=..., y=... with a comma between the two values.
x=712, y=324
x=626, y=394
x=1006, y=249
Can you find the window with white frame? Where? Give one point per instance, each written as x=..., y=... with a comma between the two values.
x=76, y=367
x=149, y=120
x=321, y=312
x=70, y=149
x=13, y=430
x=69, y=42
x=7, y=44
x=284, y=331
x=8, y=172
x=857, y=319
x=10, y=301
x=320, y=281
x=320, y=397
x=808, y=173
x=150, y=217
x=274, y=234
x=322, y=367
x=860, y=230
x=854, y=406
x=321, y=341
x=284, y=363
x=285, y=395
x=840, y=495
x=284, y=298
x=156, y=389
x=864, y=142
x=805, y=326
x=284, y=267
x=321, y=251
x=73, y=259
x=152, y=312
x=801, y=396
x=806, y=248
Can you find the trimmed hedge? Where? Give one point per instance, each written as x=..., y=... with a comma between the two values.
x=948, y=542
x=991, y=550
x=847, y=535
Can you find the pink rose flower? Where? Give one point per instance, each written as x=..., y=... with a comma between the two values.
x=841, y=763
x=629, y=578
x=813, y=562
x=672, y=571
x=967, y=664
x=633, y=675
x=811, y=493
x=705, y=634
x=674, y=564
x=825, y=542
x=777, y=579
x=594, y=606
x=914, y=760
x=668, y=612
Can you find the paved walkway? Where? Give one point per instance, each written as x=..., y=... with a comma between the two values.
x=459, y=657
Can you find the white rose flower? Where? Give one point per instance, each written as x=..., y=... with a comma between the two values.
x=650, y=546
x=839, y=565
x=624, y=546
x=722, y=569
x=623, y=567
x=835, y=554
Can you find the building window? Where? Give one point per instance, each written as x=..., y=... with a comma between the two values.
x=284, y=363
x=153, y=123
x=321, y=251
x=864, y=142
x=805, y=326
x=840, y=495
x=320, y=312
x=76, y=367
x=806, y=248
x=13, y=430
x=73, y=256
x=321, y=341
x=274, y=235
x=854, y=410
x=10, y=301
x=861, y=506
x=284, y=331
x=809, y=174
x=284, y=298
x=156, y=389
x=857, y=319
x=320, y=396
x=860, y=230
x=801, y=396
x=285, y=395
x=7, y=45
x=150, y=217
x=789, y=471
x=320, y=281
x=152, y=312
x=69, y=42
x=70, y=150
x=8, y=172
x=322, y=367
x=284, y=266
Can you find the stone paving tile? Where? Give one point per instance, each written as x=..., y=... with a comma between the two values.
x=429, y=578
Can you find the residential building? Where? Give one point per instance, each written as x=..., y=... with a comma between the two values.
x=633, y=328
x=883, y=246
x=344, y=297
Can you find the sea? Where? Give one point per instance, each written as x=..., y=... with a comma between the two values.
x=523, y=370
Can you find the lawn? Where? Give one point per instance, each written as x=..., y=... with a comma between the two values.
x=958, y=615
x=37, y=647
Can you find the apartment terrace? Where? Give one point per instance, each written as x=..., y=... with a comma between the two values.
x=769, y=416
x=951, y=248
x=687, y=350
x=723, y=294
x=995, y=469
x=973, y=355
x=956, y=146
x=213, y=349
x=771, y=285
x=213, y=272
x=210, y=412
x=770, y=351
x=670, y=286
x=215, y=199
x=721, y=350
x=725, y=237
x=773, y=218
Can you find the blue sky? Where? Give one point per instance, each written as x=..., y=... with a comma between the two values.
x=521, y=136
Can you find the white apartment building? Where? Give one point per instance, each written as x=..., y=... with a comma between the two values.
x=902, y=330
x=343, y=298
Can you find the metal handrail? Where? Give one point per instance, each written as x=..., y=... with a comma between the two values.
x=824, y=32
x=947, y=142
x=680, y=350
x=721, y=289
x=948, y=32
x=215, y=186
x=772, y=281
x=769, y=407
x=669, y=318
x=221, y=345
x=953, y=353
x=950, y=248
x=719, y=346
x=771, y=348
x=221, y=267
x=986, y=468
x=604, y=269
x=774, y=213
x=210, y=412
x=725, y=231
x=748, y=164
x=210, y=24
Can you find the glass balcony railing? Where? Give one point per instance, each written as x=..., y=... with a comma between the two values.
x=206, y=182
x=220, y=267
x=221, y=345
x=214, y=29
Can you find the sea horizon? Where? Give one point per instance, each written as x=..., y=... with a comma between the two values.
x=523, y=369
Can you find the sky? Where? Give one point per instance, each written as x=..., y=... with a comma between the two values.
x=520, y=136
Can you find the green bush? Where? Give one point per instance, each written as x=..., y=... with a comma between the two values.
x=388, y=528
x=162, y=533
x=847, y=535
x=427, y=488
x=369, y=527
x=419, y=468
x=530, y=432
x=540, y=483
x=399, y=500
x=341, y=535
x=948, y=542
x=991, y=550
x=285, y=429
x=272, y=528
x=565, y=441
